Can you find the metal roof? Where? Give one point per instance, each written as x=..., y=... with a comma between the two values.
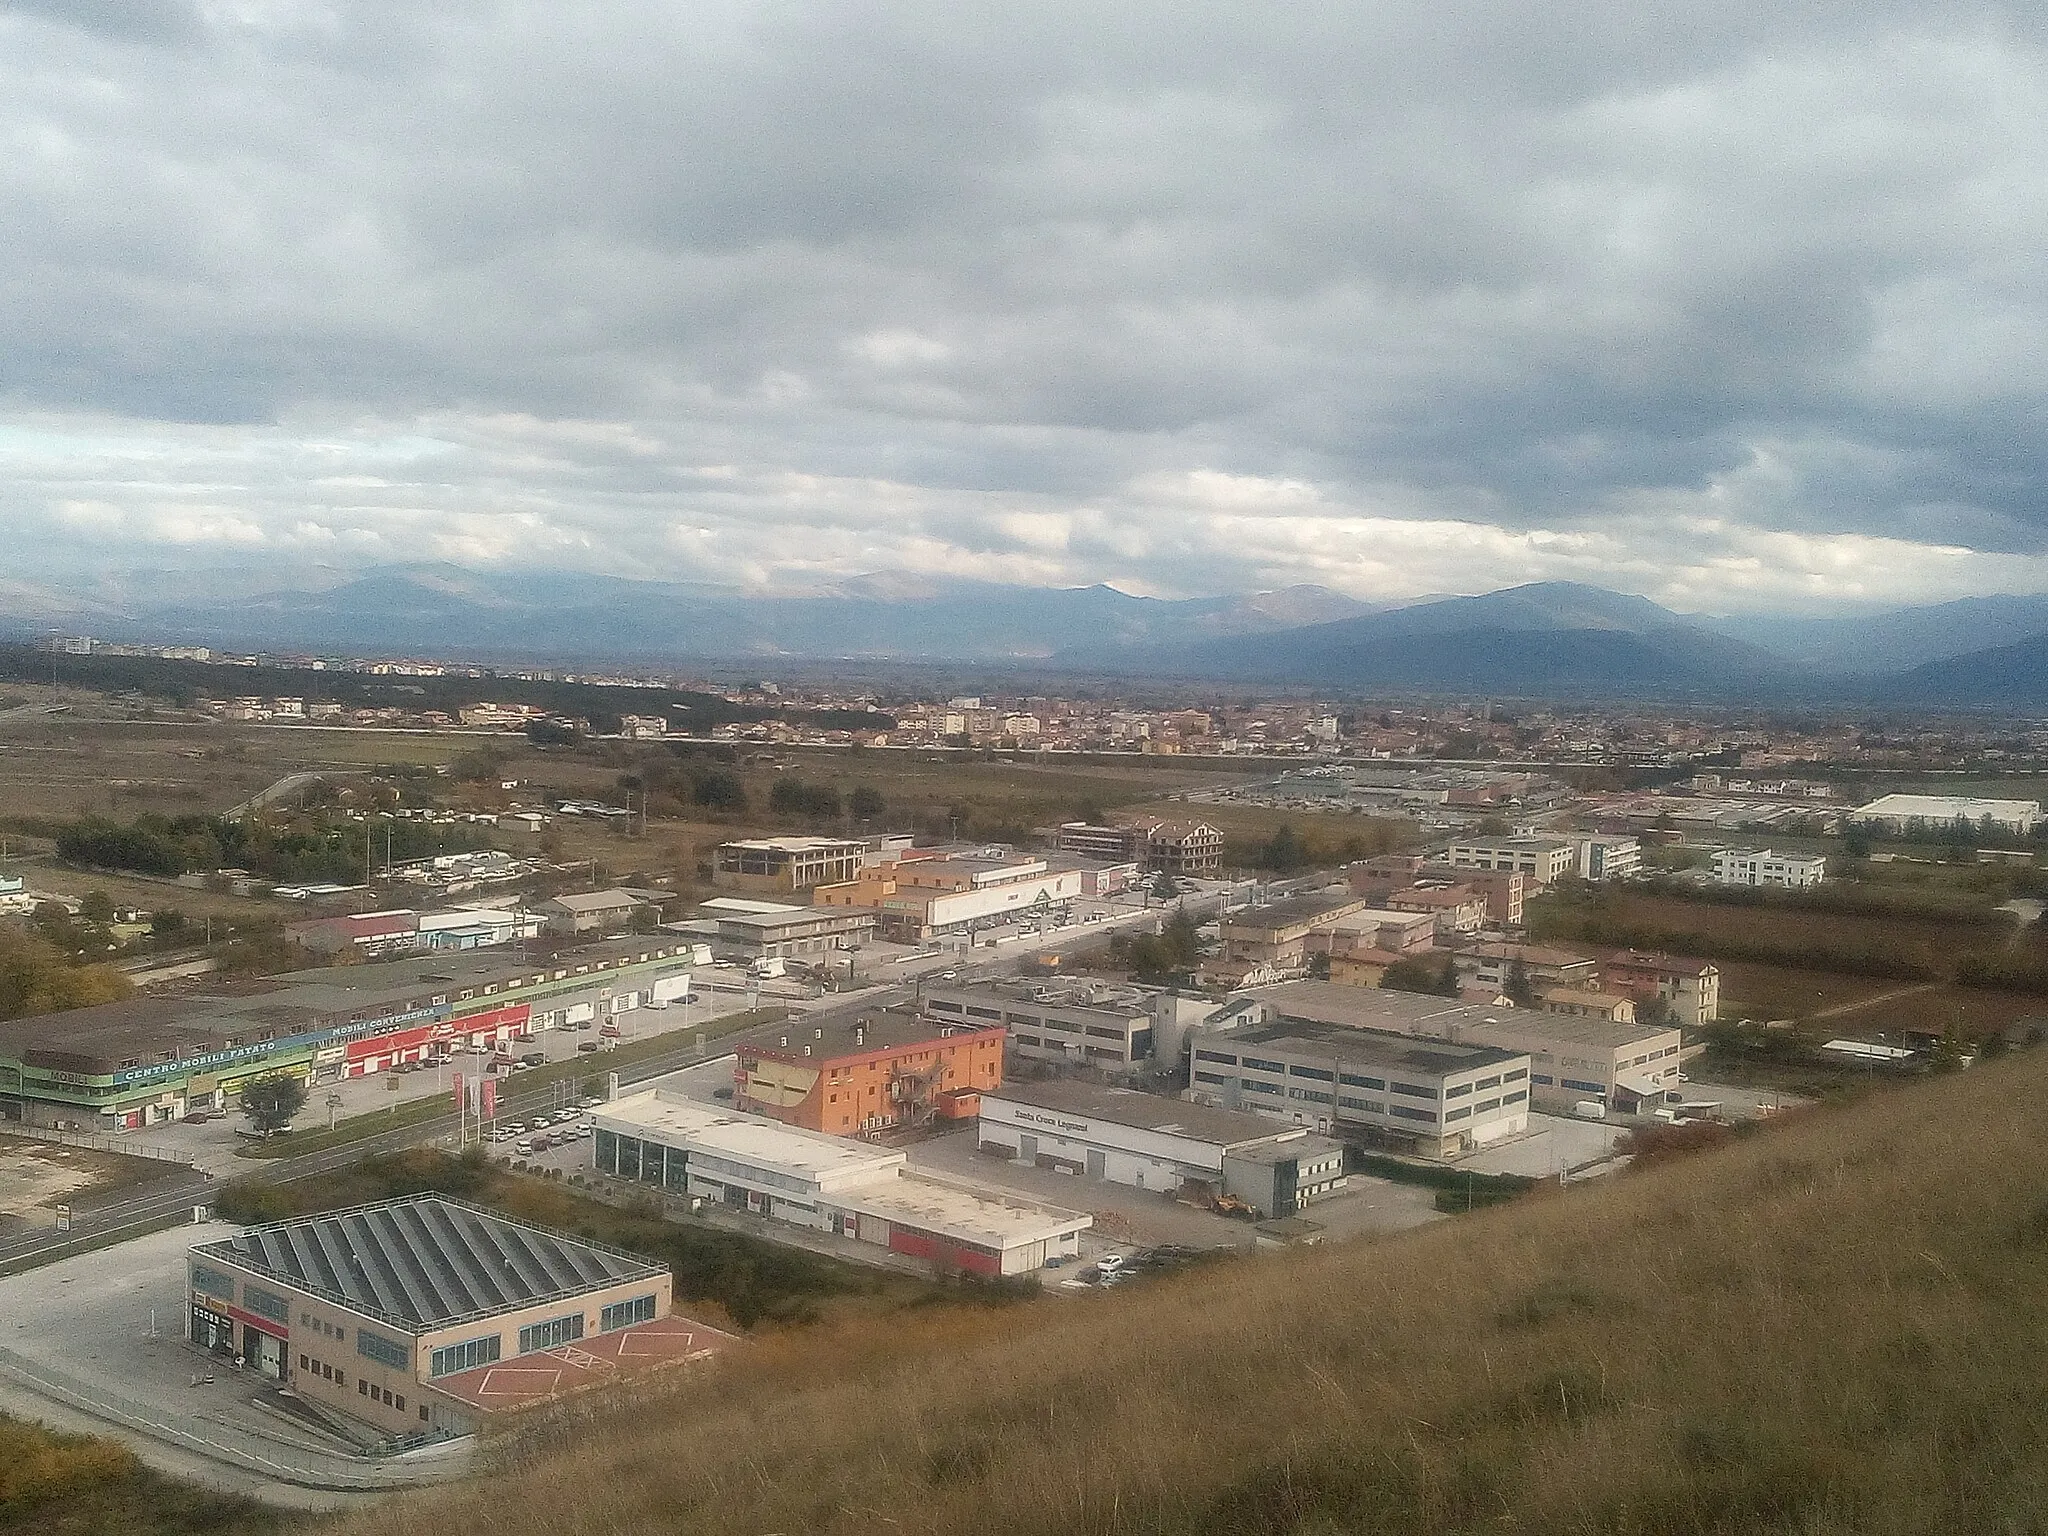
x=426, y=1261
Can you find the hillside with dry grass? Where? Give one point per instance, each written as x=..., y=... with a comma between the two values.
x=1840, y=1325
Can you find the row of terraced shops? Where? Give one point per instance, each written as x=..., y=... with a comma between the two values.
x=148, y=1060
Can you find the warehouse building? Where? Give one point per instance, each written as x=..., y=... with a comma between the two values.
x=1153, y=1142
x=1906, y=814
x=959, y=892
x=417, y=1316
x=146, y=1060
x=856, y=1072
x=849, y=1189
x=1432, y=1097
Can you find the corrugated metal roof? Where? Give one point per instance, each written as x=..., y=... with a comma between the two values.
x=426, y=1261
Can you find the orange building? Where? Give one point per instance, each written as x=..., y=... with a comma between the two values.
x=869, y=1072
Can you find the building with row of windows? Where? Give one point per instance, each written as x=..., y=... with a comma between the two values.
x=856, y=1072
x=420, y=1316
x=1764, y=866
x=1074, y=1021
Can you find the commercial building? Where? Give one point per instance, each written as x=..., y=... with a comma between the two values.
x=396, y=1313
x=1688, y=988
x=853, y=1072
x=591, y=911
x=1608, y=858
x=918, y=899
x=1761, y=866
x=1432, y=1096
x=1153, y=1142
x=1540, y=860
x=1935, y=813
x=850, y=1189
x=1624, y=1066
x=1078, y=1021
x=782, y=865
x=145, y=1060
x=774, y=930
x=1278, y=935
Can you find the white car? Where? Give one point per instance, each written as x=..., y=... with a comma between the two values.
x=1109, y=1264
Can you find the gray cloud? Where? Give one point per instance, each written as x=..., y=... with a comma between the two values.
x=1395, y=298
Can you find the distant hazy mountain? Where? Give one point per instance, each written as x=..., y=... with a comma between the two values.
x=446, y=609
x=1894, y=639
x=1551, y=637
x=2005, y=675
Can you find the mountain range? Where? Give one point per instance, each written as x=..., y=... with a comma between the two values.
x=1553, y=638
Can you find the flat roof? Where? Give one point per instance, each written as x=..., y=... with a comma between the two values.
x=426, y=1261
x=747, y=1138
x=986, y=1217
x=1144, y=1111
x=1367, y=1048
x=590, y=1361
x=295, y=1001
x=1948, y=807
x=796, y=845
x=1413, y=1014
x=852, y=1031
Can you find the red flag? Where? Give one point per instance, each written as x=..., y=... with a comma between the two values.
x=490, y=1098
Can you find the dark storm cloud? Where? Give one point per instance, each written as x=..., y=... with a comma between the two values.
x=1388, y=296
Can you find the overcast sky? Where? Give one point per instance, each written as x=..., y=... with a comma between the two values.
x=1740, y=308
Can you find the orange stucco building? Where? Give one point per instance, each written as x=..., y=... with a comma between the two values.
x=869, y=1072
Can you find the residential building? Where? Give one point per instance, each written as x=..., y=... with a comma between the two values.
x=772, y=865
x=1587, y=1003
x=1624, y=1066
x=857, y=1072
x=1935, y=813
x=693, y=1151
x=1502, y=890
x=1607, y=858
x=1433, y=1097
x=392, y=1314
x=1377, y=928
x=1379, y=877
x=643, y=727
x=1150, y=1141
x=1540, y=860
x=591, y=911
x=1074, y=1020
x=1177, y=847
x=1688, y=989
x=1762, y=866
x=1362, y=967
x=1494, y=966
x=1453, y=909
x=1278, y=934
x=1189, y=848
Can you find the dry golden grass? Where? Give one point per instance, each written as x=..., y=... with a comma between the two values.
x=1837, y=1326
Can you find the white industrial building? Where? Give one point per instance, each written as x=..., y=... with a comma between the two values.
x=1150, y=1141
x=1539, y=860
x=1931, y=813
x=847, y=1188
x=1762, y=866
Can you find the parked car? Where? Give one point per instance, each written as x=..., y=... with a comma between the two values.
x=534, y=1059
x=586, y=1045
x=523, y=1147
x=1110, y=1263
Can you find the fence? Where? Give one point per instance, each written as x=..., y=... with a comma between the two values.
x=274, y=1459
x=95, y=1142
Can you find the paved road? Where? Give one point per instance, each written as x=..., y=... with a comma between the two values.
x=290, y=784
